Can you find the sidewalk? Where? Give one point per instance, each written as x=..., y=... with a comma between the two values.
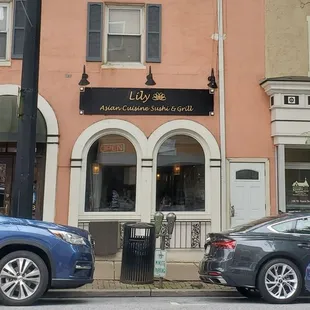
x=108, y=288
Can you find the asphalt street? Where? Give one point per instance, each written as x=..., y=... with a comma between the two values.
x=157, y=303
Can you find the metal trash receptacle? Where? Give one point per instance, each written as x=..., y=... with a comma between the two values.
x=139, y=244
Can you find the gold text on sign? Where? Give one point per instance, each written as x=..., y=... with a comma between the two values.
x=144, y=97
x=139, y=96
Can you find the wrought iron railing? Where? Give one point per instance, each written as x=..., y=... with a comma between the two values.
x=186, y=234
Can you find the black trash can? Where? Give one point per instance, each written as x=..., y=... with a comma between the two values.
x=139, y=244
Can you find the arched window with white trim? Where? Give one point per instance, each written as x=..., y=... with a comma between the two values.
x=180, y=178
x=111, y=175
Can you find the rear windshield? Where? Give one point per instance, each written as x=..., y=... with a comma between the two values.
x=252, y=224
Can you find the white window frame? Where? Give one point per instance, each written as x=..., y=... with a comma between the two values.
x=308, y=23
x=7, y=60
x=138, y=65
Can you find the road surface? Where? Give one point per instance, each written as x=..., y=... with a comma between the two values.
x=158, y=303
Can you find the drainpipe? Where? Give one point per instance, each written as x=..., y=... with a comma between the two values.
x=221, y=88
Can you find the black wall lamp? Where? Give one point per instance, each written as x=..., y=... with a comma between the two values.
x=149, y=78
x=84, y=80
x=212, y=83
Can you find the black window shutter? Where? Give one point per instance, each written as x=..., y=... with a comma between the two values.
x=18, y=29
x=94, y=31
x=153, y=33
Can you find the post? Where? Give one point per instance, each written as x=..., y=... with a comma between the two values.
x=158, y=219
x=163, y=248
x=25, y=157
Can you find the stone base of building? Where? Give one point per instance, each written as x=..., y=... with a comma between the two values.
x=182, y=265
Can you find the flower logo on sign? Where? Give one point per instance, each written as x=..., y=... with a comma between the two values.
x=159, y=97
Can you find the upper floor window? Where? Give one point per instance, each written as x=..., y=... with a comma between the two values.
x=124, y=34
x=128, y=34
x=4, y=31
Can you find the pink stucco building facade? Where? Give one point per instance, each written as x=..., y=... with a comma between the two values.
x=108, y=167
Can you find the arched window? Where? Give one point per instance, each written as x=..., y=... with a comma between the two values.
x=111, y=175
x=180, y=175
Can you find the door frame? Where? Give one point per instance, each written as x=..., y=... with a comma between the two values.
x=266, y=163
x=9, y=157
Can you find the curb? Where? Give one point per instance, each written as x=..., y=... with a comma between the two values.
x=139, y=293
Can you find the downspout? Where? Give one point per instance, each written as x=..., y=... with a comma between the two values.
x=224, y=217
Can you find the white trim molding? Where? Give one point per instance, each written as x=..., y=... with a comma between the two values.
x=290, y=122
x=79, y=168
x=49, y=204
x=146, y=150
x=212, y=166
x=308, y=22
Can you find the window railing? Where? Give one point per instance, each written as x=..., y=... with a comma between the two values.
x=186, y=234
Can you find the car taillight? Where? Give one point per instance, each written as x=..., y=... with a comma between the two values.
x=224, y=244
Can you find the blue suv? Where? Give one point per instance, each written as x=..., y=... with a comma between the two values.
x=36, y=256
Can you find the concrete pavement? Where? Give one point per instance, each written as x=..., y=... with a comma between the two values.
x=152, y=303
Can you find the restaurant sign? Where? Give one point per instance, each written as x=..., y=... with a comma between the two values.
x=126, y=101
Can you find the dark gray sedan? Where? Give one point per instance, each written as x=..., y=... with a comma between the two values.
x=268, y=258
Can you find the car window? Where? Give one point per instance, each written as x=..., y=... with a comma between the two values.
x=285, y=227
x=253, y=224
x=303, y=226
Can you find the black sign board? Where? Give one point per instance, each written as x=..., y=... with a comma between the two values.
x=121, y=101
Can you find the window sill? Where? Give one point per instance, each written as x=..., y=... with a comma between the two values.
x=123, y=66
x=5, y=63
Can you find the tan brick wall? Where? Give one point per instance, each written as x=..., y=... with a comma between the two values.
x=287, y=38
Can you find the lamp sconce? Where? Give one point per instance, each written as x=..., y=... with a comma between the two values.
x=84, y=80
x=176, y=170
x=95, y=168
x=212, y=83
x=149, y=78
x=158, y=176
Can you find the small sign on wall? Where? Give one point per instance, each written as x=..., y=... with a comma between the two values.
x=160, y=268
x=112, y=148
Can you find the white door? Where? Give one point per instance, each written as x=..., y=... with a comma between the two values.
x=247, y=192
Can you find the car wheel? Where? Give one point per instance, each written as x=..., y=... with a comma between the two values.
x=249, y=292
x=280, y=281
x=23, y=278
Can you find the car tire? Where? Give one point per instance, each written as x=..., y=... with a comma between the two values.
x=264, y=281
x=249, y=293
x=29, y=285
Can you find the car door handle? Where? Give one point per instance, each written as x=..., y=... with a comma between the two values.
x=304, y=245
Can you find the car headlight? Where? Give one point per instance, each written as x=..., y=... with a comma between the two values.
x=68, y=237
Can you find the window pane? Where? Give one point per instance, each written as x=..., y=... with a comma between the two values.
x=180, y=175
x=303, y=226
x=124, y=48
x=297, y=155
x=247, y=174
x=3, y=45
x=124, y=21
x=111, y=175
x=297, y=189
x=3, y=19
x=286, y=227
